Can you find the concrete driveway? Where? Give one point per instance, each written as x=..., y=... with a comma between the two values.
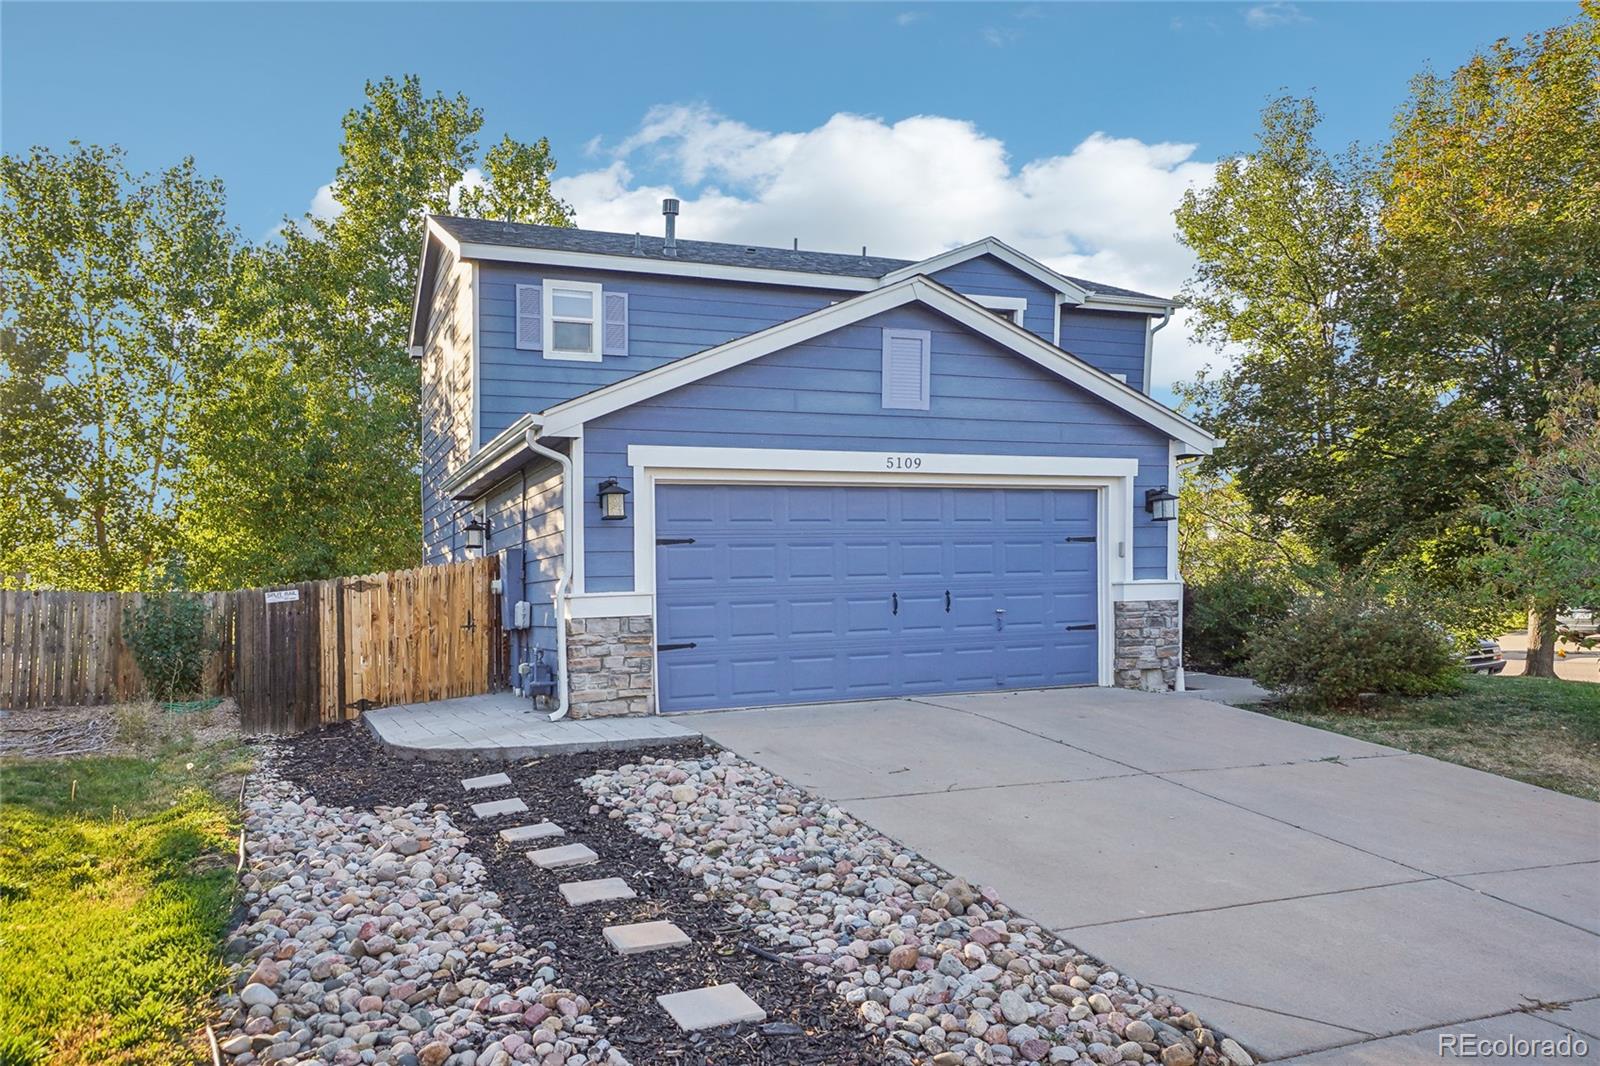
x=1301, y=890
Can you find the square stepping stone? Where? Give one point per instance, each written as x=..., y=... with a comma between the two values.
x=711, y=1008
x=522, y=833
x=497, y=808
x=645, y=936
x=472, y=784
x=563, y=855
x=600, y=890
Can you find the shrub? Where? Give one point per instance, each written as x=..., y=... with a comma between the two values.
x=1330, y=650
x=167, y=635
x=1220, y=616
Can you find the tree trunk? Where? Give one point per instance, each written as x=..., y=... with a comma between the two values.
x=1541, y=641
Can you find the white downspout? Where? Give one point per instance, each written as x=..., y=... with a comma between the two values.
x=564, y=586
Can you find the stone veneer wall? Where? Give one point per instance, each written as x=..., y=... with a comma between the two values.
x=1149, y=634
x=610, y=665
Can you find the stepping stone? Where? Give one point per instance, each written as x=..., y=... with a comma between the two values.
x=495, y=808
x=521, y=833
x=601, y=890
x=563, y=855
x=472, y=784
x=711, y=1008
x=645, y=936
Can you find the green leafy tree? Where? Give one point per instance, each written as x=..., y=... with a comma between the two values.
x=311, y=468
x=114, y=284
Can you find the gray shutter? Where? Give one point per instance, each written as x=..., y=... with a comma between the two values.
x=530, y=306
x=905, y=368
x=615, y=340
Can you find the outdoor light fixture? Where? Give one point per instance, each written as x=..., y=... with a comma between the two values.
x=475, y=531
x=1161, y=504
x=613, y=500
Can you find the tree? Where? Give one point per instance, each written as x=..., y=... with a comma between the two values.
x=114, y=287
x=312, y=466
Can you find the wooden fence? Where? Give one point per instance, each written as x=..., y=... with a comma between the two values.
x=293, y=657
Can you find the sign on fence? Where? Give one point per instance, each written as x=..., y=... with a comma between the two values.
x=326, y=651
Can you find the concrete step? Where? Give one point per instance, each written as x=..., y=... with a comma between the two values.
x=499, y=808
x=711, y=1008
x=600, y=890
x=645, y=936
x=563, y=855
x=521, y=834
x=472, y=784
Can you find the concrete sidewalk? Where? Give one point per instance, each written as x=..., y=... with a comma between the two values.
x=1301, y=890
x=498, y=725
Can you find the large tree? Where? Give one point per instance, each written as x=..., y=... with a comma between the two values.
x=312, y=467
x=1396, y=318
x=115, y=287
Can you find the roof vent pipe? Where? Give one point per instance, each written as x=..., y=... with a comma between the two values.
x=669, y=208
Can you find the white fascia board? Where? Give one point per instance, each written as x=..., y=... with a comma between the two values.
x=640, y=265
x=466, y=481
x=565, y=419
x=1000, y=250
x=1143, y=305
x=690, y=457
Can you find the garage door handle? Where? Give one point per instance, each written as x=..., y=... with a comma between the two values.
x=676, y=647
x=1082, y=625
x=894, y=599
x=946, y=601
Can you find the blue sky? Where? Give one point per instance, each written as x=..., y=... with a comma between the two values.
x=1069, y=129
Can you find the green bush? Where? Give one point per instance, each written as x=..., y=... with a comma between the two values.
x=1330, y=650
x=167, y=635
x=1220, y=616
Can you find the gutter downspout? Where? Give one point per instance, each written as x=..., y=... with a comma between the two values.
x=1150, y=349
x=531, y=437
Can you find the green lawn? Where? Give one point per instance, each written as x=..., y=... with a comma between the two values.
x=116, y=881
x=1544, y=732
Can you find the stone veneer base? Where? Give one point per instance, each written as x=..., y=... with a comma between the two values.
x=610, y=666
x=1148, y=637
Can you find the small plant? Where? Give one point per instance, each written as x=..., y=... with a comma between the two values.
x=1329, y=651
x=167, y=635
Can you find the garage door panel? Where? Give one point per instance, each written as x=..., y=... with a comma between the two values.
x=790, y=594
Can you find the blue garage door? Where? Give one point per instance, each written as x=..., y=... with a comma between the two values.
x=786, y=594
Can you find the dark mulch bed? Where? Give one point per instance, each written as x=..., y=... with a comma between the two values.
x=806, y=1023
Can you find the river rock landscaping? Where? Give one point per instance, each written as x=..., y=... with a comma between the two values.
x=942, y=971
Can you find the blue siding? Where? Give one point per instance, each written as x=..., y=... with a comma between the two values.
x=1110, y=340
x=668, y=318
x=525, y=511
x=825, y=394
x=988, y=276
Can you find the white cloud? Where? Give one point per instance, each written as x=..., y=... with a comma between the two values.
x=323, y=204
x=1273, y=14
x=907, y=18
x=998, y=37
x=912, y=188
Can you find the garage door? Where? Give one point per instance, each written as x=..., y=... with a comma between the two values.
x=787, y=594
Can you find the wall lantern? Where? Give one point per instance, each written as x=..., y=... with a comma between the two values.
x=1161, y=504
x=613, y=500
x=475, y=531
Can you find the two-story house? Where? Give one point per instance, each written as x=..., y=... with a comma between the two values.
x=730, y=476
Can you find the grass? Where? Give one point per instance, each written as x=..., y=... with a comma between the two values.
x=1542, y=731
x=116, y=885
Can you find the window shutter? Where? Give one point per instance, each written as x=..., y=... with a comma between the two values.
x=616, y=324
x=905, y=368
x=530, y=330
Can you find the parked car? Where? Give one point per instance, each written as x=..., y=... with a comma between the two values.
x=1486, y=658
x=1579, y=620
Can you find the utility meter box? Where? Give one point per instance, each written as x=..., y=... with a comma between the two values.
x=522, y=615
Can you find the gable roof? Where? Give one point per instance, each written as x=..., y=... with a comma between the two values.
x=565, y=419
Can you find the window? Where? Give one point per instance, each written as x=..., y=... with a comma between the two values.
x=905, y=368
x=1010, y=307
x=572, y=320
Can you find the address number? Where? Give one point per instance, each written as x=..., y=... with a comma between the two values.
x=903, y=462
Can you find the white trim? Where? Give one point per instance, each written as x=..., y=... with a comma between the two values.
x=1140, y=304
x=1147, y=590
x=1008, y=255
x=643, y=265
x=477, y=364
x=609, y=605
x=1011, y=308
x=547, y=321
x=564, y=419
x=1174, y=483
x=1055, y=326
x=580, y=499
x=1111, y=478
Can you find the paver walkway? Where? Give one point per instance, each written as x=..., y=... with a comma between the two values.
x=1299, y=889
x=499, y=725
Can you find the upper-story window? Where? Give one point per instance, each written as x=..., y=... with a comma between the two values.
x=572, y=320
x=1010, y=307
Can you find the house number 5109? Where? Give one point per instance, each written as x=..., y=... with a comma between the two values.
x=903, y=462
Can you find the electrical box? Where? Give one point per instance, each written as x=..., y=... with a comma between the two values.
x=522, y=615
